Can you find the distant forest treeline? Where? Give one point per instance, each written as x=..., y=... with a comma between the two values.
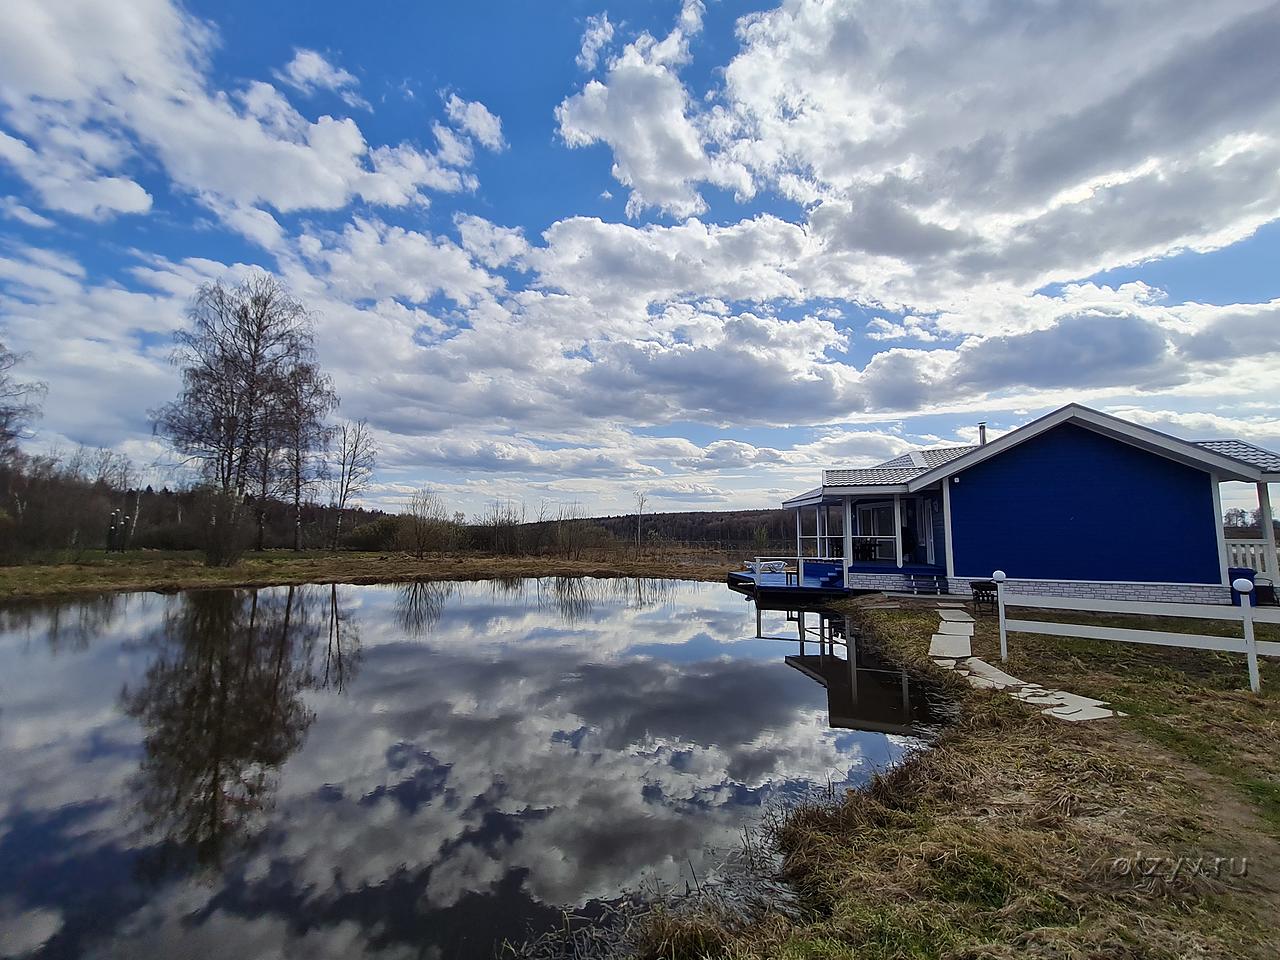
x=730, y=527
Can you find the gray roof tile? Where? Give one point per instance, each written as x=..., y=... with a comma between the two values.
x=898, y=470
x=1245, y=452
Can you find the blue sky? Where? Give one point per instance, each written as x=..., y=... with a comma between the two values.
x=567, y=251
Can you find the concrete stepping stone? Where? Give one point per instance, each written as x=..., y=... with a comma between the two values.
x=1079, y=714
x=993, y=673
x=1038, y=697
x=982, y=683
x=1075, y=700
x=945, y=663
x=949, y=645
x=960, y=616
x=958, y=629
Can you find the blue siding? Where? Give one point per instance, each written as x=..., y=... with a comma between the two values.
x=1072, y=504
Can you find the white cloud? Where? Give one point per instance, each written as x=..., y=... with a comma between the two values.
x=308, y=71
x=934, y=195
x=85, y=91
x=69, y=184
x=595, y=38
x=491, y=245
x=11, y=208
x=474, y=118
x=642, y=110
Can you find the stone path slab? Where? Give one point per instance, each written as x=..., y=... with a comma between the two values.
x=997, y=676
x=949, y=645
x=950, y=649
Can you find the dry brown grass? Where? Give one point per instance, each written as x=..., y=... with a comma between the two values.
x=156, y=570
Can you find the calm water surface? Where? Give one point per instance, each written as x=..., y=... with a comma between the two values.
x=404, y=770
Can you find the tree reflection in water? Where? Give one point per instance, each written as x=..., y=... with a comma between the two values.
x=222, y=708
x=342, y=652
x=66, y=625
x=420, y=604
x=578, y=598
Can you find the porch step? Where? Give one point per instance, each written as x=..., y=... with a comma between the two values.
x=926, y=583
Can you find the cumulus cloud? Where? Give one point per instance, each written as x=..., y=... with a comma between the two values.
x=595, y=38
x=933, y=182
x=84, y=91
x=474, y=118
x=308, y=71
x=643, y=111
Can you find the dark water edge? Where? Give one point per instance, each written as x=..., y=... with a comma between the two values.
x=427, y=769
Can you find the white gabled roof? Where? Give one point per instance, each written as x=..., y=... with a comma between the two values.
x=1184, y=451
x=913, y=471
x=898, y=470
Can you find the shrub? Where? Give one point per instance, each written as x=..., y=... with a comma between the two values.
x=380, y=534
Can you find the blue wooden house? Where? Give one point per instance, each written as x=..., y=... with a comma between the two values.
x=1076, y=503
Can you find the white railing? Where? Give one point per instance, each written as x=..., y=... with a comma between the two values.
x=1245, y=614
x=1250, y=553
x=798, y=562
x=823, y=545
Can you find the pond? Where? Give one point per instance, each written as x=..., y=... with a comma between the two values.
x=417, y=770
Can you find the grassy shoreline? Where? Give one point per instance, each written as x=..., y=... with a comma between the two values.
x=1020, y=836
x=99, y=572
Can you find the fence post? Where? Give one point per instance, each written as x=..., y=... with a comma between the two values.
x=1244, y=587
x=999, y=577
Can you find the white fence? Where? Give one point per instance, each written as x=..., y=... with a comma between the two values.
x=1245, y=615
x=1250, y=553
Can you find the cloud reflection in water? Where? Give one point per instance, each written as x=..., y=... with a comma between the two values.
x=382, y=770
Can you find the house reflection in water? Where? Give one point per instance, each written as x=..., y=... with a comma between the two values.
x=865, y=692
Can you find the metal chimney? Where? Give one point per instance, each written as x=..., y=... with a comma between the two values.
x=982, y=433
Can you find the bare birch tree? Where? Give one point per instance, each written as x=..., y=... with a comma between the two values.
x=307, y=398
x=242, y=342
x=19, y=403
x=353, y=470
x=642, y=498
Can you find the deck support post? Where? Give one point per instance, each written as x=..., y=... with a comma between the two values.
x=897, y=527
x=946, y=526
x=1268, y=529
x=848, y=539
x=759, y=631
x=799, y=547
x=1223, y=561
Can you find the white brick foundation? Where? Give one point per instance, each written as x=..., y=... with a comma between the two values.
x=894, y=582
x=1167, y=592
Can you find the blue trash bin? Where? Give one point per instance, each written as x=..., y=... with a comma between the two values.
x=1248, y=573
